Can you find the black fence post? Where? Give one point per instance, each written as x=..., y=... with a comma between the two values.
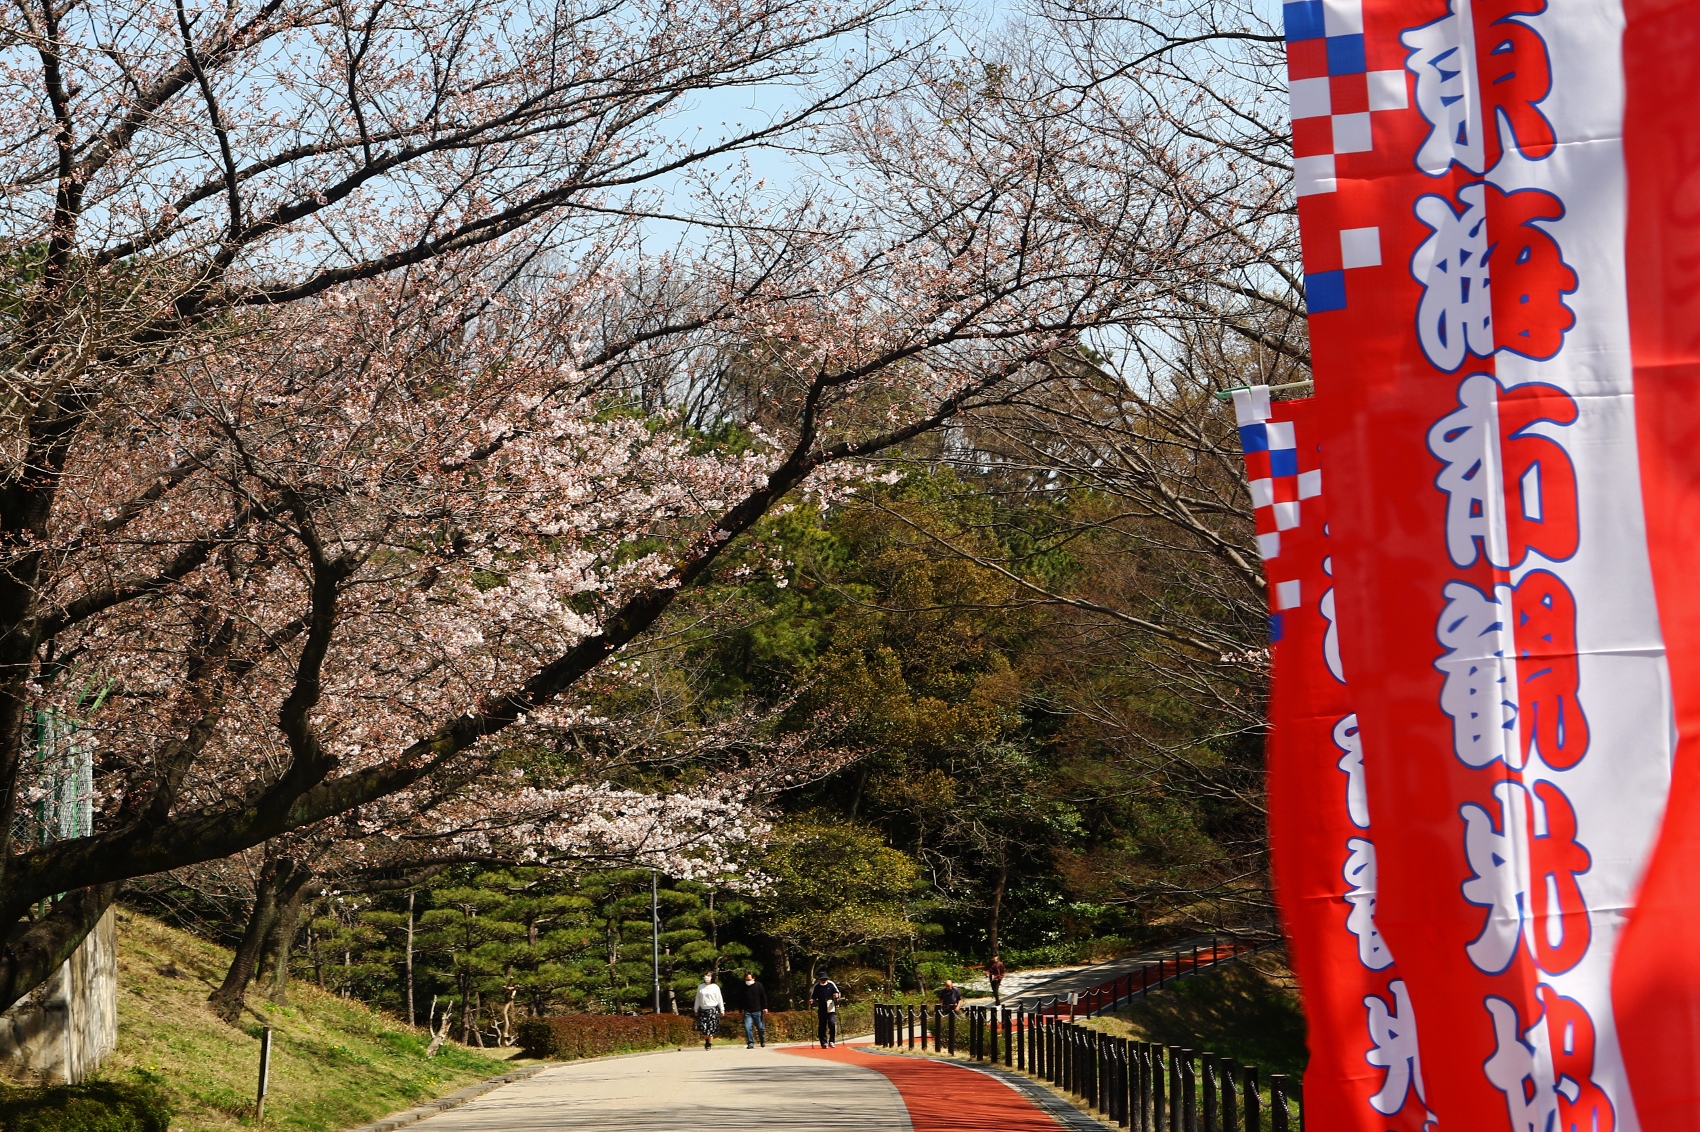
x=1189, y=1083
x=951, y=1038
x=1053, y=1052
x=1124, y=1082
x=1277, y=1103
x=1095, y=1068
x=1253, y=1102
x=1158, y=1093
x=1065, y=1057
x=1230, y=1098
x=1135, y=1085
x=1175, y=1106
x=1212, y=1121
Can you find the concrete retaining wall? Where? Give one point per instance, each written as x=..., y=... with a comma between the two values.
x=61, y=1031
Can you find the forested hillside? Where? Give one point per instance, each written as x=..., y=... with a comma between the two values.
x=981, y=767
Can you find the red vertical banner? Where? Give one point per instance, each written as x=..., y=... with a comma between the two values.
x=1462, y=197
x=1365, y=1072
x=1656, y=985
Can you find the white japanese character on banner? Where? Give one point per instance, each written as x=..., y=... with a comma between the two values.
x=1352, y=763
x=1499, y=860
x=1466, y=441
x=1455, y=314
x=1509, y=490
x=1394, y=1035
x=1360, y=921
x=1547, y=1071
x=1480, y=98
x=1521, y=1068
x=1525, y=875
x=1330, y=636
x=1441, y=59
x=1480, y=665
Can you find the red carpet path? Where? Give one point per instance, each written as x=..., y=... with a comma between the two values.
x=946, y=1098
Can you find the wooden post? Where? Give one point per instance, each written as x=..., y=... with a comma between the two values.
x=265, y=1075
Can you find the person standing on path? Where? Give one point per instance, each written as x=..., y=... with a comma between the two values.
x=994, y=974
x=825, y=996
x=708, y=1006
x=950, y=997
x=755, y=1011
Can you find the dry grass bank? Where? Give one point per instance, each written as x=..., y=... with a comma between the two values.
x=335, y=1063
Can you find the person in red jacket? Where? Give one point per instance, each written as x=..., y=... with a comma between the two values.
x=994, y=973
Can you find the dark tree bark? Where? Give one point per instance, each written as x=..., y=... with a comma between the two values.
x=227, y=1001
x=997, y=910
x=280, y=941
x=279, y=887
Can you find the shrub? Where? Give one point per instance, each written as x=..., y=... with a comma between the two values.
x=568, y=1037
x=95, y=1106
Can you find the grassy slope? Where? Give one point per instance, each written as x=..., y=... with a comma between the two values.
x=335, y=1063
x=1247, y=1010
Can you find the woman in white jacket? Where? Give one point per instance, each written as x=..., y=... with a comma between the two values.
x=708, y=1006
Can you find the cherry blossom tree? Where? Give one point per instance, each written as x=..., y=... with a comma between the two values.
x=323, y=334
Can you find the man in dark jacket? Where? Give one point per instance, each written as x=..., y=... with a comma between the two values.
x=755, y=1011
x=825, y=996
x=950, y=997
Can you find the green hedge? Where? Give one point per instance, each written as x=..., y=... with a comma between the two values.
x=568, y=1037
x=97, y=1106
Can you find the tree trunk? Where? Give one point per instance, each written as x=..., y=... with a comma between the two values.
x=280, y=941
x=227, y=1001
x=410, y=1014
x=781, y=973
x=997, y=910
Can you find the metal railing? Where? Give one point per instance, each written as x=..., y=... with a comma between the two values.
x=1155, y=975
x=1139, y=1085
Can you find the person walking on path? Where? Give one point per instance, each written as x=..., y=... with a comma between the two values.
x=825, y=996
x=755, y=1011
x=994, y=973
x=708, y=1006
x=950, y=997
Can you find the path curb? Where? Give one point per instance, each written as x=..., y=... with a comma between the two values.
x=453, y=1100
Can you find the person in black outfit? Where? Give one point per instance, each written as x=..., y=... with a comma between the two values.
x=755, y=1011
x=825, y=996
x=950, y=997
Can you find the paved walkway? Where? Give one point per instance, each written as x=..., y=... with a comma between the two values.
x=732, y=1089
